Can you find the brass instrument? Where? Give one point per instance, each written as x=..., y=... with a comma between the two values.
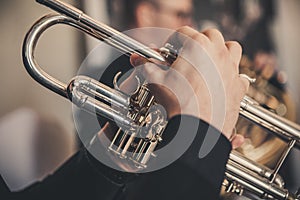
x=241, y=174
x=262, y=148
x=269, y=90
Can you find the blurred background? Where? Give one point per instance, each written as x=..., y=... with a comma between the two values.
x=31, y=115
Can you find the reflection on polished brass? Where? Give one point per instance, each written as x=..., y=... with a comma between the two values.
x=261, y=146
x=241, y=173
x=264, y=151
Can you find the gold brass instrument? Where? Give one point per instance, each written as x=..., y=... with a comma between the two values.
x=261, y=147
x=241, y=173
x=270, y=92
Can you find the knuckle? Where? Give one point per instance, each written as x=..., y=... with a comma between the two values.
x=200, y=38
x=185, y=30
x=234, y=44
x=214, y=34
x=212, y=31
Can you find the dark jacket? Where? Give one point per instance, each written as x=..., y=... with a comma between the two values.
x=189, y=177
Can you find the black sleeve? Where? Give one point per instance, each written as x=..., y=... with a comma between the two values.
x=76, y=179
x=4, y=190
x=190, y=177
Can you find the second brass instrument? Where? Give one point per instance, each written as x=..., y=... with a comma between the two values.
x=241, y=173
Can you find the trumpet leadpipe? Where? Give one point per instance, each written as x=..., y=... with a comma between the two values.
x=103, y=32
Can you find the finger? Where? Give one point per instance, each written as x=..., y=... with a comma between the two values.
x=245, y=83
x=237, y=141
x=137, y=60
x=235, y=51
x=214, y=36
x=185, y=69
x=152, y=73
x=267, y=71
x=178, y=38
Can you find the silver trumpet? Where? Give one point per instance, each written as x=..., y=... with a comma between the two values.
x=133, y=111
